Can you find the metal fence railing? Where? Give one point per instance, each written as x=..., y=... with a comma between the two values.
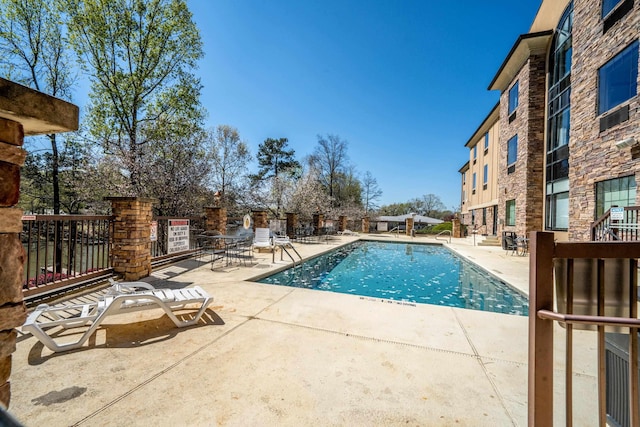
x=162, y=247
x=64, y=249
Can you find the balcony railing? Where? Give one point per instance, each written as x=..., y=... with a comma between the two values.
x=62, y=250
x=627, y=229
x=596, y=288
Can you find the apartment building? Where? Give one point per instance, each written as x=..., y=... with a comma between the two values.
x=479, y=202
x=568, y=124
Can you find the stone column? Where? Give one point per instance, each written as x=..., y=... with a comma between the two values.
x=456, y=230
x=216, y=219
x=365, y=224
x=292, y=224
x=259, y=219
x=342, y=223
x=318, y=221
x=408, y=226
x=12, y=255
x=131, y=240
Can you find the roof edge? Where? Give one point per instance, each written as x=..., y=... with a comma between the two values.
x=530, y=42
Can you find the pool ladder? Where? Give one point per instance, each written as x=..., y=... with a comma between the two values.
x=283, y=248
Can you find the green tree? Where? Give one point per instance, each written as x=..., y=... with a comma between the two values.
x=33, y=52
x=274, y=161
x=139, y=55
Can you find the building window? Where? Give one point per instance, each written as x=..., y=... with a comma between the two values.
x=511, y=212
x=608, y=6
x=473, y=183
x=615, y=192
x=513, y=98
x=485, y=176
x=475, y=153
x=486, y=141
x=559, y=125
x=557, y=216
x=512, y=152
x=618, y=79
x=484, y=216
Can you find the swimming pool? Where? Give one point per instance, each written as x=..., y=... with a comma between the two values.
x=418, y=273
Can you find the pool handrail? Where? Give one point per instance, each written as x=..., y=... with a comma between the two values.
x=442, y=232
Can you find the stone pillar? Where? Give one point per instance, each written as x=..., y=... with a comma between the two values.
x=365, y=224
x=318, y=221
x=408, y=226
x=12, y=255
x=456, y=229
x=292, y=224
x=216, y=219
x=131, y=240
x=342, y=223
x=259, y=219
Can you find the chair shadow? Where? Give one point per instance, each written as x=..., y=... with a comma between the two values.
x=125, y=335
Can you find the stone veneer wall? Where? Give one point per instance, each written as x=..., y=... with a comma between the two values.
x=292, y=224
x=12, y=255
x=131, y=240
x=260, y=219
x=593, y=155
x=525, y=184
x=216, y=219
x=318, y=223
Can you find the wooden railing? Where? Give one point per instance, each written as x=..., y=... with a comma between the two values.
x=595, y=289
x=625, y=229
x=62, y=250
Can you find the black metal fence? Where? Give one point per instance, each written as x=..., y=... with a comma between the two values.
x=62, y=250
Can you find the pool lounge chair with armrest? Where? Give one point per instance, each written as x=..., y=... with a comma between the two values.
x=347, y=233
x=124, y=298
x=262, y=239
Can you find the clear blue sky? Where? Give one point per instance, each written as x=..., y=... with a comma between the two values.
x=403, y=81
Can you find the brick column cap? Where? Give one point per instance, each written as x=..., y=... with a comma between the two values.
x=131, y=199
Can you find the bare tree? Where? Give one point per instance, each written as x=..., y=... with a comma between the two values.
x=371, y=192
x=229, y=158
x=331, y=160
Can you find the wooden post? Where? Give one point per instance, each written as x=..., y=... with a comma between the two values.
x=540, y=410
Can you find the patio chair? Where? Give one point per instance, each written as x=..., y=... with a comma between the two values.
x=347, y=233
x=123, y=298
x=262, y=239
x=510, y=244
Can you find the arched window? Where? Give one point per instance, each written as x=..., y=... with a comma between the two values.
x=559, y=115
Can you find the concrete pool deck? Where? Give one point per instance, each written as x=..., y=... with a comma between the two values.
x=271, y=355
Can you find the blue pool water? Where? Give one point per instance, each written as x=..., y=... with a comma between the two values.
x=416, y=273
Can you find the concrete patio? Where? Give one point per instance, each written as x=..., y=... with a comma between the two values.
x=270, y=355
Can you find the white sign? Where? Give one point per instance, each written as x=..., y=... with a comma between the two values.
x=154, y=231
x=28, y=217
x=617, y=214
x=178, y=237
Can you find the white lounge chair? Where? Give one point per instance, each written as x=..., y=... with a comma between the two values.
x=262, y=239
x=121, y=298
x=347, y=233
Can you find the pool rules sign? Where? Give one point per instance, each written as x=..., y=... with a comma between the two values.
x=178, y=236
